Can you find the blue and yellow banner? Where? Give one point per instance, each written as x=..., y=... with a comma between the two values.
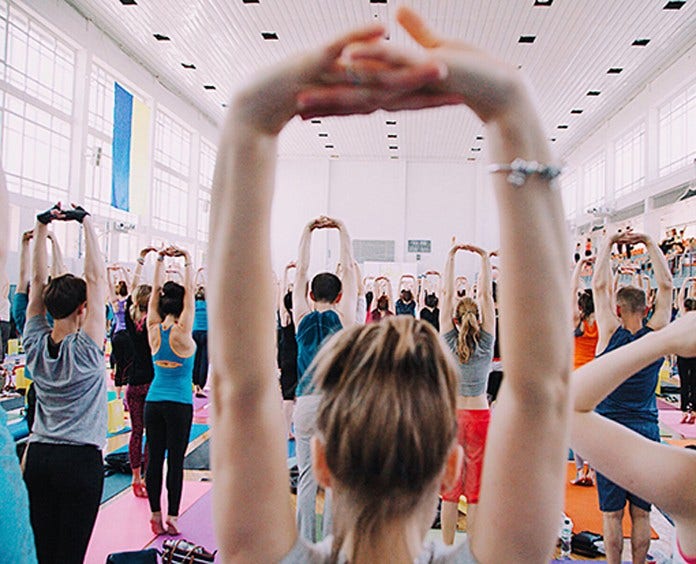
x=131, y=152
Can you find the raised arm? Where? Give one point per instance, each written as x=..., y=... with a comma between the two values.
x=39, y=268
x=682, y=295
x=285, y=315
x=111, y=270
x=603, y=292
x=95, y=276
x=346, y=307
x=153, y=316
x=485, y=297
x=575, y=287
x=24, y=262
x=139, y=264
x=449, y=291
x=300, y=304
x=57, y=262
x=188, y=313
x=663, y=279
x=648, y=468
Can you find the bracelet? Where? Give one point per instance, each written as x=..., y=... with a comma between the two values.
x=160, y=258
x=520, y=170
x=141, y=260
x=187, y=264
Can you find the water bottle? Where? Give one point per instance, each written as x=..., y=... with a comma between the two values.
x=566, y=537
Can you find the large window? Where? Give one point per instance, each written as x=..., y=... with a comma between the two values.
x=38, y=69
x=171, y=175
x=629, y=161
x=677, y=131
x=205, y=181
x=569, y=192
x=594, y=182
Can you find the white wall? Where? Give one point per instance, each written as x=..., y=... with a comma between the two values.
x=382, y=199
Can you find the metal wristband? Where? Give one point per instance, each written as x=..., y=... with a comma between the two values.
x=520, y=170
x=141, y=260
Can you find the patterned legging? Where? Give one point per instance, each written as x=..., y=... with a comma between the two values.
x=135, y=396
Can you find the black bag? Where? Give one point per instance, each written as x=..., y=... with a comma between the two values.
x=294, y=479
x=148, y=556
x=117, y=463
x=585, y=544
x=184, y=552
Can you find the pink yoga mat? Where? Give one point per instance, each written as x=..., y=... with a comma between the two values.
x=196, y=525
x=672, y=419
x=124, y=524
x=663, y=404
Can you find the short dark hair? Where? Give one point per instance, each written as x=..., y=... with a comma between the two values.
x=63, y=295
x=171, y=299
x=631, y=299
x=690, y=304
x=586, y=304
x=326, y=287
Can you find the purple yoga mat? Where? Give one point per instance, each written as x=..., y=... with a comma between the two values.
x=195, y=524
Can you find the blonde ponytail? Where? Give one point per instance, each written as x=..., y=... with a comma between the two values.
x=469, y=329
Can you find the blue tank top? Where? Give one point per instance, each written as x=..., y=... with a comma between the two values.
x=634, y=400
x=314, y=329
x=120, y=315
x=173, y=373
x=200, y=320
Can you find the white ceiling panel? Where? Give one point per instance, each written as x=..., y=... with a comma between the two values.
x=576, y=43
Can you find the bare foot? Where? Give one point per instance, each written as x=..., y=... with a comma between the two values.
x=156, y=524
x=171, y=525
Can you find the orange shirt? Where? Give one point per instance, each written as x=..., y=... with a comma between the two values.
x=586, y=344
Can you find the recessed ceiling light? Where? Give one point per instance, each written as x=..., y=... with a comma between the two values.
x=476, y=149
x=563, y=126
x=576, y=111
x=615, y=70
x=471, y=158
x=315, y=121
x=189, y=66
x=250, y=1
x=526, y=39
x=378, y=1
x=129, y=2
x=160, y=37
x=323, y=135
x=209, y=86
x=640, y=42
x=394, y=157
x=553, y=139
x=594, y=93
x=391, y=136
x=328, y=146
x=224, y=105
x=393, y=147
x=674, y=5
x=269, y=35
x=479, y=138
x=390, y=122
x=543, y=2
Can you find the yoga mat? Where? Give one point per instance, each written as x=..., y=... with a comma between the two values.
x=666, y=405
x=582, y=506
x=195, y=525
x=197, y=430
x=117, y=433
x=124, y=523
x=672, y=419
x=114, y=485
x=199, y=458
x=11, y=404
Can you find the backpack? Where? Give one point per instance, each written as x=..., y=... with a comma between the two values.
x=587, y=544
x=116, y=463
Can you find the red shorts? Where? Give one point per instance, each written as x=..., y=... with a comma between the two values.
x=471, y=435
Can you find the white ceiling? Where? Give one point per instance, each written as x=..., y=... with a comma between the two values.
x=577, y=41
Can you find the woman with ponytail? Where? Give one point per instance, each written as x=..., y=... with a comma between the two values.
x=385, y=441
x=468, y=327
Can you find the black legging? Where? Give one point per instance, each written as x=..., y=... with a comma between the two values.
x=687, y=380
x=122, y=354
x=65, y=487
x=200, y=363
x=167, y=426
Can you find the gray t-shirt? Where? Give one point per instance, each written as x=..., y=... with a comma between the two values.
x=473, y=376
x=436, y=553
x=70, y=389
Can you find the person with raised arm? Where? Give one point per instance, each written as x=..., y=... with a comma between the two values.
x=200, y=336
x=169, y=401
x=64, y=469
x=17, y=540
x=406, y=304
x=648, y=468
x=385, y=441
x=333, y=307
x=142, y=371
x=287, y=348
x=622, y=320
x=586, y=334
x=384, y=306
x=687, y=365
x=469, y=330
x=430, y=299
x=121, y=344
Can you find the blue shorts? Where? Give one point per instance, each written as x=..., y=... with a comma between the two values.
x=612, y=497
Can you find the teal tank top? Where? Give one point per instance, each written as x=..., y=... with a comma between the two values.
x=173, y=374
